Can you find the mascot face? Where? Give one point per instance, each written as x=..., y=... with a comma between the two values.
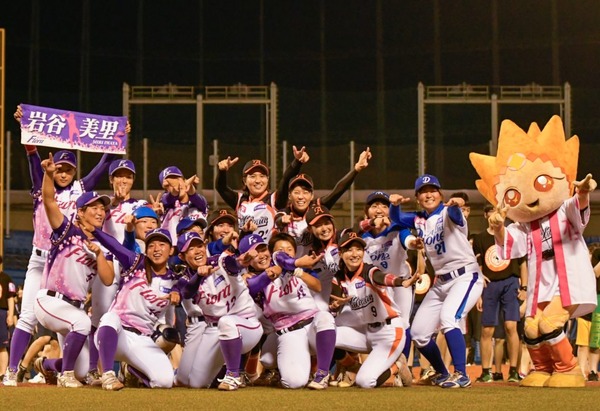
x=532, y=173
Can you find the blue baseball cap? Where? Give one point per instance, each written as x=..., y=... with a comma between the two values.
x=378, y=196
x=184, y=240
x=426, y=180
x=91, y=196
x=120, y=165
x=143, y=212
x=250, y=242
x=65, y=157
x=187, y=223
x=168, y=172
x=160, y=233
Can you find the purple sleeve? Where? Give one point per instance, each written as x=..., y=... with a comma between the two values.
x=191, y=287
x=284, y=261
x=35, y=171
x=199, y=202
x=129, y=240
x=258, y=283
x=90, y=181
x=168, y=200
x=126, y=257
x=231, y=265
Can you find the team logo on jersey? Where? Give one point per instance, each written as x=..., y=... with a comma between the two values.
x=219, y=280
x=493, y=260
x=359, y=303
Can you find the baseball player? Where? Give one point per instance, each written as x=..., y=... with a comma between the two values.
x=385, y=251
x=127, y=332
x=230, y=313
x=221, y=232
x=369, y=320
x=67, y=191
x=301, y=197
x=137, y=225
x=73, y=262
x=301, y=328
x=255, y=203
x=442, y=232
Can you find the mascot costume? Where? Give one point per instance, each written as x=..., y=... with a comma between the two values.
x=531, y=181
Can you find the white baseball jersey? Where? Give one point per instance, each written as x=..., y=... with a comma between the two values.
x=386, y=252
x=261, y=211
x=569, y=272
x=138, y=304
x=221, y=294
x=174, y=213
x=326, y=269
x=114, y=224
x=71, y=266
x=298, y=228
x=369, y=303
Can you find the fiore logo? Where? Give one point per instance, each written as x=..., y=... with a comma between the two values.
x=122, y=163
x=253, y=239
x=64, y=156
x=189, y=235
x=166, y=173
x=426, y=179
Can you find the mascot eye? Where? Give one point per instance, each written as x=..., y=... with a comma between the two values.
x=512, y=197
x=543, y=183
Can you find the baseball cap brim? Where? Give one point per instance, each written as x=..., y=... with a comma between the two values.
x=158, y=234
x=349, y=241
x=184, y=247
x=318, y=217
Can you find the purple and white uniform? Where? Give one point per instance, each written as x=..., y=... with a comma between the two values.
x=138, y=308
x=230, y=314
x=175, y=211
x=59, y=303
x=300, y=326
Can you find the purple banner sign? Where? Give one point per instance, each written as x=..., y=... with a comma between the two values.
x=43, y=126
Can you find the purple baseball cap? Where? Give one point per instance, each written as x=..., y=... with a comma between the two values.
x=65, y=157
x=427, y=180
x=250, y=242
x=184, y=240
x=120, y=165
x=168, y=172
x=187, y=223
x=160, y=233
x=91, y=196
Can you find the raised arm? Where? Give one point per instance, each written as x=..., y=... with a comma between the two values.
x=55, y=217
x=281, y=195
x=229, y=196
x=344, y=184
x=91, y=180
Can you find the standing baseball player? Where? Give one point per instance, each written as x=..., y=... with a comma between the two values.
x=255, y=203
x=73, y=262
x=369, y=320
x=127, y=332
x=442, y=232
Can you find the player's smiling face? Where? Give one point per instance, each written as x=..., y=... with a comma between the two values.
x=195, y=255
x=93, y=214
x=122, y=181
x=300, y=198
x=378, y=209
x=257, y=183
x=286, y=247
x=353, y=256
x=144, y=225
x=158, y=251
x=262, y=261
x=221, y=230
x=323, y=229
x=429, y=198
x=64, y=175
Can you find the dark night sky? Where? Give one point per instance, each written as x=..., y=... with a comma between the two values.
x=218, y=43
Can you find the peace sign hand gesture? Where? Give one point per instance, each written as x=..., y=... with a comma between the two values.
x=226, y=164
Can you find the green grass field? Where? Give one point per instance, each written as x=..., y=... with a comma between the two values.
x=501, y=397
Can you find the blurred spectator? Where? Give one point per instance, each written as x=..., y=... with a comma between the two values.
x=8, y=291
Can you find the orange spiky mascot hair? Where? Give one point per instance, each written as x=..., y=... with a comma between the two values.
x=531, y=181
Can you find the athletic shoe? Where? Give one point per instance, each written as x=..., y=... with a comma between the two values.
x=21, y=373
x=456, y=380
x=229, y=383
x=10, y=378
x=49, y=375
x=404, y=372
x=245, y=380
x=268, y=378
x=485, y=377
x=592, y=376
x=439, y=379
x=320, y=381
x=497, y=376
x=38, y=379
x=127, y=378
x=93, y=378
x=110, y=382
x=514, y=376
x=426, y=375
x=67, y=380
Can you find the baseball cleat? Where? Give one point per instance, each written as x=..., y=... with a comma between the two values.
x=110, y=382
x=21, y=373
x=320, y=381
x=49, y=376
x=10, y=378
x=404, y=373
x=93, y=378
x=229, y=383
x=67, y=380
x=456, y=380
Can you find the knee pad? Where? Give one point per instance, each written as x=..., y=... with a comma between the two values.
x=551, y=322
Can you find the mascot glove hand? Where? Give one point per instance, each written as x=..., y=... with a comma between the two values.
x=588, y=184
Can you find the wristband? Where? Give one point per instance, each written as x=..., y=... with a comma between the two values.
x=30, y=149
